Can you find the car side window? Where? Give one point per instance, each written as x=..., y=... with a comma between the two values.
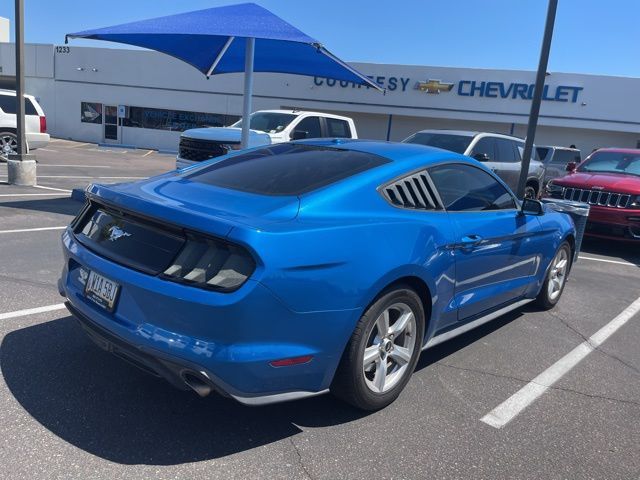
x=311, y=125
x=534, y=152
x=8, y=104
x=542, y=153
x=465, y=188
x=562, y=157
x=484, y=150
x=338, y=128
x=505, y=151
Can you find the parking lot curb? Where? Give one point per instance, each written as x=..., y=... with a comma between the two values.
x=78, y=195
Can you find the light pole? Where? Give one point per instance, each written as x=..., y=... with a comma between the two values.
x=537, y=96
x=21, y=166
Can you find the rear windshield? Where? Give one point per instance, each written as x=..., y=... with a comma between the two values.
x=286, y=169
x=446, y=141
x=8, y=104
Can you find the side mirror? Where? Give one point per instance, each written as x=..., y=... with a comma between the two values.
x=531, y=207
x=482, y=157
x=299, y=135
x=571, y=166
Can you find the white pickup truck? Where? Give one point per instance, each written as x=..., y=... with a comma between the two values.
x=267, y=127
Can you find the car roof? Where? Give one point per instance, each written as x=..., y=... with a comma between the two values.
x=619, y=150
x=558, y=148
x=470, y=133
x=393, y=151
x=298, y=111
x=462, y=133
x=4, y=91
x=403, y=158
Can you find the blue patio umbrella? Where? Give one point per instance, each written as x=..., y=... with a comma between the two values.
x=235, y=38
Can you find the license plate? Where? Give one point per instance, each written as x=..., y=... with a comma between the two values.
x=101, y=290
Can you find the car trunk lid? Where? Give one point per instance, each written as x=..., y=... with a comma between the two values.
x=205, y=208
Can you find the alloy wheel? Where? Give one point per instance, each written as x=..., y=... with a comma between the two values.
x=558, y=274
x=389, y=348
x=8, y=145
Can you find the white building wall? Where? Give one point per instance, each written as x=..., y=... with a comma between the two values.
x=604, y=111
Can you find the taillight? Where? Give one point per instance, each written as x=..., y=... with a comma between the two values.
x=211, y=264
x=43, y=124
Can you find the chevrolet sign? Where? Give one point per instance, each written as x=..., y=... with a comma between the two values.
x=433, y=86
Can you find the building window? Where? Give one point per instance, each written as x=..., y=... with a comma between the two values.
x=174, y=120
x=91, y=112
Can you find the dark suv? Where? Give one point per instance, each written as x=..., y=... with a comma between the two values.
x=556, y=159
x=501, y=153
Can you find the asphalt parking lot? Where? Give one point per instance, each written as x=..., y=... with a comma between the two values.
x=69, y=410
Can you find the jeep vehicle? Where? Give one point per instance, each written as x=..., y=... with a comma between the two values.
x=501, y=153
x=609, y=181
x=556, y=159
x=34, y=119
x=267, y=127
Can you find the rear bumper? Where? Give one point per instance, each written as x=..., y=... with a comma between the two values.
x=37, y=140
x=178, y=372
x=226, y=340
x=621, y=224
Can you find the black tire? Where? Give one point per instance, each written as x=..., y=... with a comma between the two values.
x=545, y=299
x=351, y=383
x=6, y=139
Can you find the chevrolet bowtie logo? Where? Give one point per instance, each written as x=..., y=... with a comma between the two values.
x=434, y=86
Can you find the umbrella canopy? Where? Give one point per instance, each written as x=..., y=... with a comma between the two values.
x=236, y=38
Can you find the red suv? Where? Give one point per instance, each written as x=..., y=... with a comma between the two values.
x=608, y=180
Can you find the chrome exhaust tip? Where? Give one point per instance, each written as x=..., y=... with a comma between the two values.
x=196, y=382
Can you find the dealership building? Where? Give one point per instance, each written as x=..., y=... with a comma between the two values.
x=81, y=88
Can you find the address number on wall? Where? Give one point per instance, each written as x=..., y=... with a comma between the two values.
x=63, y=49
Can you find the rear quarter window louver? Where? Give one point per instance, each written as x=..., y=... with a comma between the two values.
x=413, y=191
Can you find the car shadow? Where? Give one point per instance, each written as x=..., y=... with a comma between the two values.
x=439, y=352
x=62, y=205
x=109, y=408
x=611, y=248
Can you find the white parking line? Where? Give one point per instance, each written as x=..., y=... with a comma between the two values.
x=52, y=194
x=31, y=311
x=510, y=408
x=40, y=229
x=48, y=150
x=80, y=176
x=79, y=166
x=619, y=262
x=119, y=177
x=52, y=188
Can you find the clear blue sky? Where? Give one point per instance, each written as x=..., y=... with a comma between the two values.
x=590, y=36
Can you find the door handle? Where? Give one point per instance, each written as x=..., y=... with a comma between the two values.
x=470, y=240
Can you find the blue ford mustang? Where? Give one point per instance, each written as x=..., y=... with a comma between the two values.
x=289, y=270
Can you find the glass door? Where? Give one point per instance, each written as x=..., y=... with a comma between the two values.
x=111, y=124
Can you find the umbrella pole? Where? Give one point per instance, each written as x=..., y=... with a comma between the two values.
x=248, y=90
